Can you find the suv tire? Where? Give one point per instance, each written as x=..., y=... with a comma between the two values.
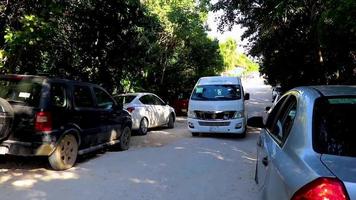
x=7, y=116
x=65, y=154
x=125, y=138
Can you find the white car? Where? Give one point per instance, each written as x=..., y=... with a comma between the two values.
x=147, y=111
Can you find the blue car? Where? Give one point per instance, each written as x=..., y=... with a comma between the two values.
x=307, y=145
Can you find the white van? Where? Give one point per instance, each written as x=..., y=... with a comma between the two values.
x=217, y=105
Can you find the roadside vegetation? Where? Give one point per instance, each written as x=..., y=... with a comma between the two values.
x=298, y=42
x=154, y=45
x=233, y=58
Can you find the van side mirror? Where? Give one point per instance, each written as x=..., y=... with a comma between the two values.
x=247, y=96
x=255, y=122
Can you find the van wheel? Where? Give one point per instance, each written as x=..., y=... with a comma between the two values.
x=142, y=130
x=171, y=121
x=65, y=154
x=125, y=138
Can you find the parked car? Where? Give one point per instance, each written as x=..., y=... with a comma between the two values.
x=217, y=105
x=306, y=148
x=180, y=104
x=147, y=111
x=43, y=116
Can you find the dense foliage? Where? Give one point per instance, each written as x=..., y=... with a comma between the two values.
x=157, y=46
x=233, y=58
x=299, y=42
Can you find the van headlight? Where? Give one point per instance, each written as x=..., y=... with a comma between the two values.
x=238, y=114
x=191, y=114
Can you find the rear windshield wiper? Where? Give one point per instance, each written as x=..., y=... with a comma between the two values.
x=14, y=101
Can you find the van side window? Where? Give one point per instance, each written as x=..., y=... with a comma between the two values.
x=83, y=97
x=58, y=95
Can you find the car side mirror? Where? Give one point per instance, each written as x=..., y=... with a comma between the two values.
x=267, y=108
x=247, y=96
x=255, y=122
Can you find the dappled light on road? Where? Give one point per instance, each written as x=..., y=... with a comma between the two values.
x=159, y=137
x=4, y=179
x=25, y=183
x=20, y=178
x=215, y=155
x=147, y=181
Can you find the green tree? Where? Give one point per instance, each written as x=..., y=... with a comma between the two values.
x=299, y=42
x=94, y=40
x=160, y=46
x=186, y=51
x=228, y=50
x=233, y=58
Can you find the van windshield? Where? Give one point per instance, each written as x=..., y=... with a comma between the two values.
x=216, y=92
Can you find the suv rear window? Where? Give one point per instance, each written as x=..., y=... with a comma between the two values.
x=216, y=92
x=23, y=91
x=334, y=126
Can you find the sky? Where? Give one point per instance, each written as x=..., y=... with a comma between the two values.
x=235, y=33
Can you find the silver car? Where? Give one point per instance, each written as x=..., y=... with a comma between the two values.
x=307, y=145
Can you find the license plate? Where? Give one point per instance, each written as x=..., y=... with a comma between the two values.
x=184, y=110
x=4, y=150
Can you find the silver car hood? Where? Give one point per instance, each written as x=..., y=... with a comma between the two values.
x=345, y=169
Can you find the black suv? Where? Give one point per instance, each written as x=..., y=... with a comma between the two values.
x=58, y=118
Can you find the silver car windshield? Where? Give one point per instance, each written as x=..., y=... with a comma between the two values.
x=216, y=92
x=334, y=126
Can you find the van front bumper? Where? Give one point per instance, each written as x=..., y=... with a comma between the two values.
x=236, y=126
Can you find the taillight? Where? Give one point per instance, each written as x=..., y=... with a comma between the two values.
x=43, y=121
x=322, y=189
x=130, y=109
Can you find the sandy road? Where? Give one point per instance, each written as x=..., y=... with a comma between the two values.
x=165, y=164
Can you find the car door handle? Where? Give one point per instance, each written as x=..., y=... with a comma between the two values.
x=265, y=161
